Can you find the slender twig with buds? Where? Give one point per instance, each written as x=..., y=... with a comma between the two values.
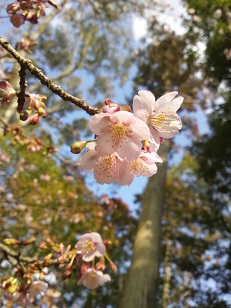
x=27, y=64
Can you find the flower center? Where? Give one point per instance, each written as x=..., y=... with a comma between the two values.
x=159, y=122
x=120, y=132
x=87, y=247
x=138, y=168
x=106, y=163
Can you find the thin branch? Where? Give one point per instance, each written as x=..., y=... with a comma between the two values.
x=25, y=63
x=16, y=255
x=23, y=85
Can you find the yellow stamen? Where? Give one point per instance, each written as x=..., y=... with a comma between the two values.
x=120, y=132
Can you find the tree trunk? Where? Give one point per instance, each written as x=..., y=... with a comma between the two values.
x=167, y=274
x=140, y=286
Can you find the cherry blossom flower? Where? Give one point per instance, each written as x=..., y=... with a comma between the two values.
x=105, y=169
x=144, y=165
x=90, y=245
x=119, y=132
x=92, y=278
x=112, y=168
x=159, y=115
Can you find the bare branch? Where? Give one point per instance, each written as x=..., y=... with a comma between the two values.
x=16, y=255
x=25, y=63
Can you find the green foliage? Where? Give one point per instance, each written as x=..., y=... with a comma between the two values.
x=196, y=235
x=44, y=197
x=214, y=24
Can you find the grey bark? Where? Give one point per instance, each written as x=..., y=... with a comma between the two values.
x=140, y=286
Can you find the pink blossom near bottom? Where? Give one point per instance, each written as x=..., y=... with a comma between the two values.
x=92, y=278
x=90, y=245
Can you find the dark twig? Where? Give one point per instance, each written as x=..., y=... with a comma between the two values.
x=22, y=93
x=27, y=64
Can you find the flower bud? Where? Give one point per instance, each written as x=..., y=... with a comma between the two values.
x=17, y=20
x=126, y=108
x=77, y=147
x=113, y=267
x=25, y=114
x=10, y=241
x=12, y=8
x=145, y=145
x=35, y=119
x=100, y=266
x=42, y=112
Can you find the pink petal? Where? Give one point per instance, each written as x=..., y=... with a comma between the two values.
x=129, y=150
x=140, y=130
x=99, y=123
x=105, y=145
x=154, y=136
x=125, y=177
x=105, y=170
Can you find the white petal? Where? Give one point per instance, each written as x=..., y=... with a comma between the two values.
x=167, y=103
x=144, y=100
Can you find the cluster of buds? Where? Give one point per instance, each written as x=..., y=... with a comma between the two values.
x=126, y=144
x=35, y=103
x=28, y=10
x=87, y=258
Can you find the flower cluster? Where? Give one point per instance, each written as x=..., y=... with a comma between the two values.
x=87, y=258
x=27, y=10
x=90, y=246
x=35, y=103
x=126, y=144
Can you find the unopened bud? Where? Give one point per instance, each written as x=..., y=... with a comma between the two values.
x=17, y=20
x=42, y=112
x=35, y=119
x=83, y=268
x=113, y=267
x=100, y=266
x=10, y=241
x=126, y=108
x=108, y=102
x=145, y=145
x=25, y=114
x=77, y=146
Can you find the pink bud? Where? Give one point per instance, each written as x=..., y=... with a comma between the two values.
x=113, y=267
x=35, y=119
x=12, y=8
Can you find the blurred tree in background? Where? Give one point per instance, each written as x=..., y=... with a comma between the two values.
x=87, y=47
